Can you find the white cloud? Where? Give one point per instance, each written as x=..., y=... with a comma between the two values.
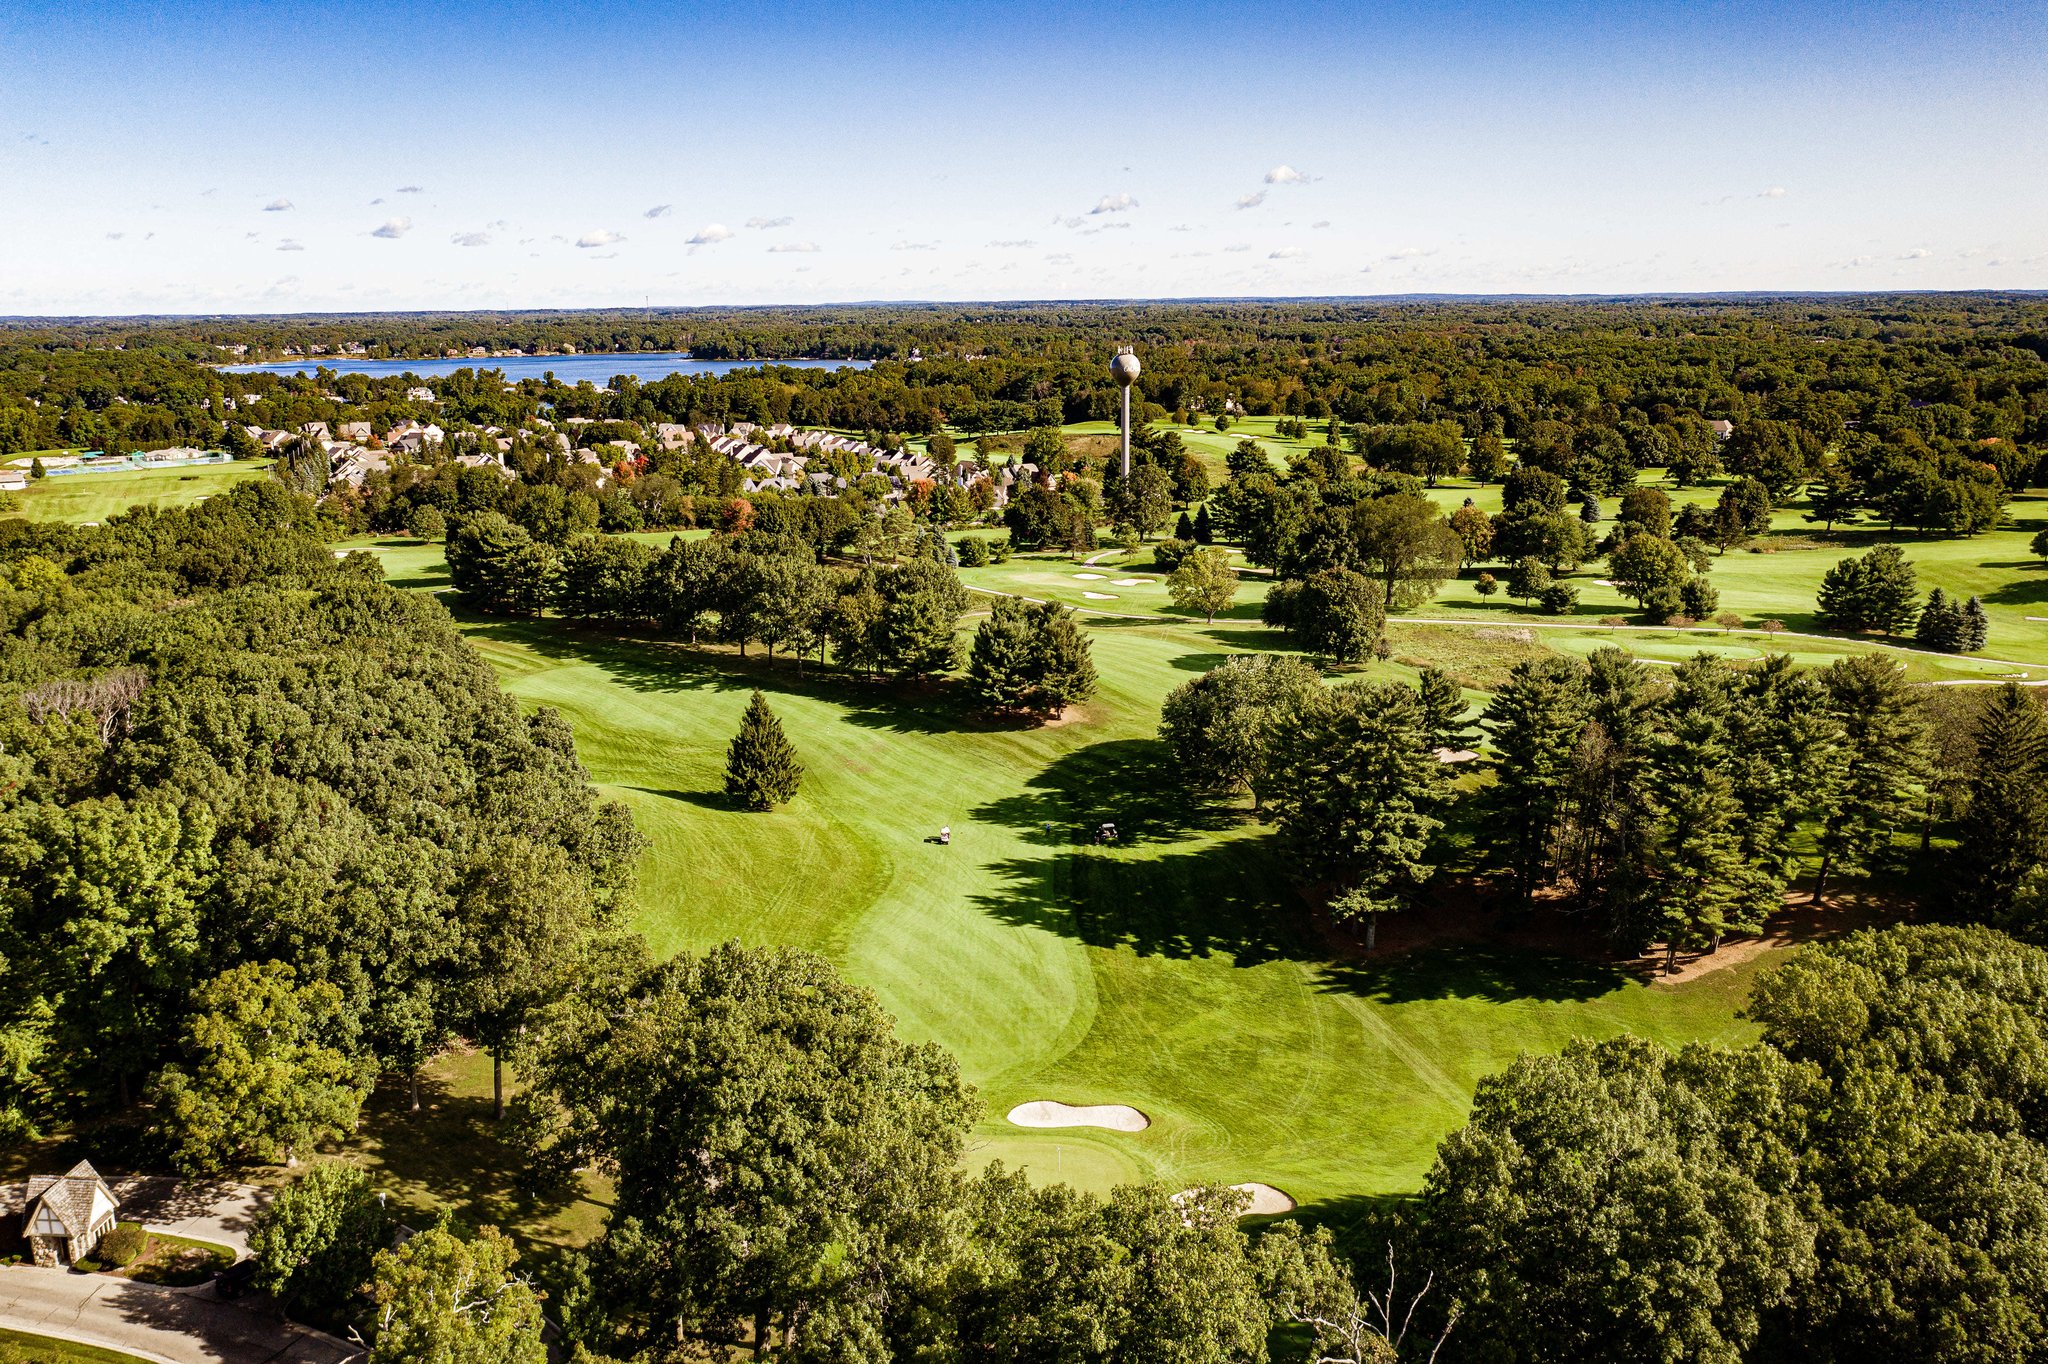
x=1285, y=175
x=1018, y=244
x=804, y=247
x=277, y=206
x=1774, y=192
x=1917, y=253
x=709, y=233
x=604, y=236
x=1410, y=253
x=763, y=224
x=1241, y=246
x=1114, y=203
x=914, y=246
x=1061, y=258
x=115, y=236
x=1324, y=223
x=410, y=189
x=1287, y=253
x=1251, y=200
x=289, y=245
x=659, y=211
x=471, y=239
x=394, y=228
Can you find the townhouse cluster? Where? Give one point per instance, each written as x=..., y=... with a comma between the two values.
x=790, y=468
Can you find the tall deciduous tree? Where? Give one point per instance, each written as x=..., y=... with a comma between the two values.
x=443, y=1299
x=1204, y=582
x=783, y=1161
x=1228, y=726
x=269, y=1070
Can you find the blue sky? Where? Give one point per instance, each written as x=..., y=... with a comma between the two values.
x=207, y=157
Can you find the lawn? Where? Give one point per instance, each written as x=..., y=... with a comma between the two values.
x=27, y=1348
x=95, y=497
x=1168, y=972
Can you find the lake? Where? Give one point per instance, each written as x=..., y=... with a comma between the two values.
x=598, y=368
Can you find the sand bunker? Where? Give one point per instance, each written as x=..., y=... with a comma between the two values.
x=1132, y=582
x=1090, y=577
x=1100, y=596
x=1053, y=1113
x=1266, y=1201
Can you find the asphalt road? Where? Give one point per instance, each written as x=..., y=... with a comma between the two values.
x=163, y=1325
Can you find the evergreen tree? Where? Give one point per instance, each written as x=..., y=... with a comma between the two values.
x=761, y=769
x=1031, y=657
x=1443, y=710
x=1606, y=847
x=1884, y=739
x=1204, y=533
x=1699, y=894
x=1357, y=796
x=1184, y=529
x=1975, y=630
x=1535, y=719
x=2003, y=834
x=1873, y=592
x=1940, y=625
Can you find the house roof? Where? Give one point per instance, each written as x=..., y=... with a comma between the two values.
x=77, y=1201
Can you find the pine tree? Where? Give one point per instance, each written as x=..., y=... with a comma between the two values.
x=1443, y=709
x=1698, y=895
x=1184, y=529
x=1535, y=719
x=1873, y=592
x=1884, y=740
x=2004, y=834
x=1975, y=630
x=761, y=769
x=1941, y=624
x=1204, y=533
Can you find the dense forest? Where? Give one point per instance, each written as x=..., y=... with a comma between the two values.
x=1958, y=366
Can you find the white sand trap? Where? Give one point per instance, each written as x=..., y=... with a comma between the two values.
x=1100, y=596
x=1132, y=582
x=1267, y=1201
x=1090, y=577
x=1053, y=1113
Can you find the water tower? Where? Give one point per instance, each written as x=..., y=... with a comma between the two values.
x=1124, y=369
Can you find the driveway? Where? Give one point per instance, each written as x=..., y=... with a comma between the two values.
x=219, y=1211
x=157, y=1324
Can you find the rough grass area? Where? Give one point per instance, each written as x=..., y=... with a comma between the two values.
x=95, y=497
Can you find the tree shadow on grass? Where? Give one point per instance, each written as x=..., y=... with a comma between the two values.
x=2025, y=592
x=1475, y=971
x=1181, y=905
x=453, y=1154
x=662, y=666
x=1131, y=783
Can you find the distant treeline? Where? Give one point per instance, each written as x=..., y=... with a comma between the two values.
x=1962, y=367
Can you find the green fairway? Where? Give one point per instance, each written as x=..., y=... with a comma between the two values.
x=1167, y=972
x=95, y=497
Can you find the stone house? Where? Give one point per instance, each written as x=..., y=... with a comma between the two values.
x=64, y=1216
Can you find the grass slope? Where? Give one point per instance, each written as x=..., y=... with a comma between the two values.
x=1165, y=972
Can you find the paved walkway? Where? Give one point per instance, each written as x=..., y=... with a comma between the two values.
x=157, y=1324
x=221, y=1212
